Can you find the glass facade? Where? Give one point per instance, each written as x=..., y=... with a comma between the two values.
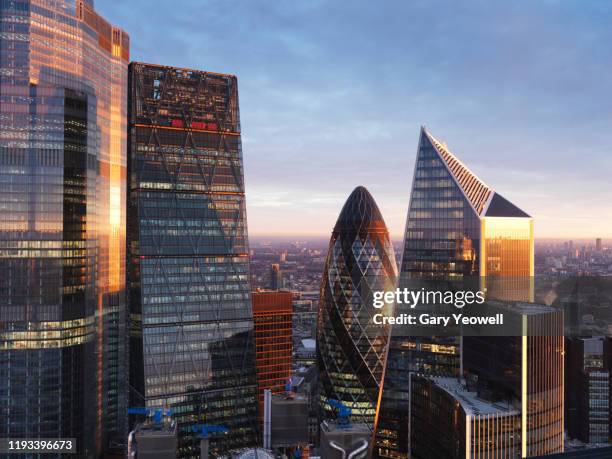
x=525, y=372
x=63, y=365
x=192, y=343
x=450, y=421
x=273, y=316
x=351, y=348
x=442, y=239
x=599, y=404
x=441, y=248
x=588, y=413
x=507, y=261
x=460, y=234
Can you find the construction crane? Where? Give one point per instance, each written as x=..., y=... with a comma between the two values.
x=343, y=412
x=155, y=417
x=156, y=413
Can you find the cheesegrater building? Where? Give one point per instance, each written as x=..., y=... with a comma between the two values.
x=351, y=348
x=63, y=84
x=461, y=233
x=192, y=343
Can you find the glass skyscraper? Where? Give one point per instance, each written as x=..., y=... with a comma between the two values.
x=63, y=84
x=588, y=383
x=525, y=372
x=451, y=421
x=192, y=343
x=461, y=233
x=351, y=348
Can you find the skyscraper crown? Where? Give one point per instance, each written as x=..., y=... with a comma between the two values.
x=359, y=212
x=485, y=201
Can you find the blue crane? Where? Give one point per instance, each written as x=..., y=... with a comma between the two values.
x=156, y=413
x=343, y=412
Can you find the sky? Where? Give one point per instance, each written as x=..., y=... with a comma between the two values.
x=333, y=94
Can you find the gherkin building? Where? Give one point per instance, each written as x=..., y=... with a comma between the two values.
x=351, y=348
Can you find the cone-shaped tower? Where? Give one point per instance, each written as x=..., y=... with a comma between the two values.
x=351, y=349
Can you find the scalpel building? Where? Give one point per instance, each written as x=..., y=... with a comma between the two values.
x=63, y=116
x=461, y=232
x=192, y=343
x=351, y=348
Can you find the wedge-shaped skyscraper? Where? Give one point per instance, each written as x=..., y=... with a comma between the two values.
x=460, y=232
x=458, y=226
x=351, y=348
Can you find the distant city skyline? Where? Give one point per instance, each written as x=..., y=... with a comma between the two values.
x=333, y=97
x=143, y=312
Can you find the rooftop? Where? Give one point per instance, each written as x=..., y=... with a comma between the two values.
x=469, y=401
x=594, y=453
x=522, y=308
x=167, y=428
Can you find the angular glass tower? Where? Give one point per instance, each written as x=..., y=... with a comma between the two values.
x=459, y=232
x=458, y=227
x=192, y=343
x=63, y=85
x=351, y=349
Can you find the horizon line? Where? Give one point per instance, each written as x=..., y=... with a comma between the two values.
x=396, y=237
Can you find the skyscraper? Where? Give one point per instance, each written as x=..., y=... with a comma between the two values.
x=459, y=232
x=276, y=277
x=192, y=344
x=588, y=376
x=63, y=80
x=451, y=421
x=273, y=315
x=525, y=372
x=351, y=349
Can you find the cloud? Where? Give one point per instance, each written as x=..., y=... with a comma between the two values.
x=332, y=95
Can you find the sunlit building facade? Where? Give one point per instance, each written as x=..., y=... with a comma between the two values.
x=192, y=344
x=63, y=116
x=451, y=421
x=273, y=317
x=525, y=372
x=351, y=348
x=462, y=234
